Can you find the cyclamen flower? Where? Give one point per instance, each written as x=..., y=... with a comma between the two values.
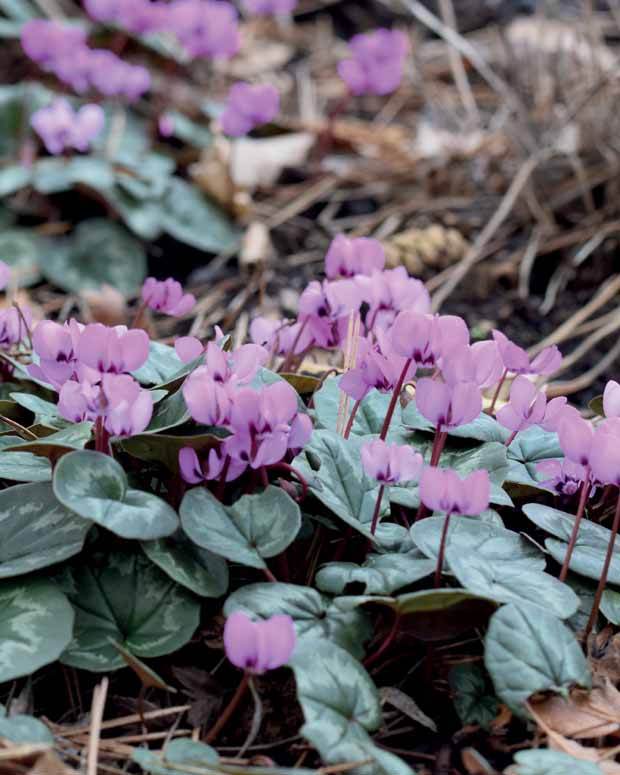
x=561, y=476
x=259, y=646
x=517, y=361
x=611, y=399
x=266, y=425
x=479, y=363
x=195, y=470
x=577, y=439
x=441, y=489
x=349, y=257
x=14, y=325
x=448, y=405
x=249, y=106
x=60, y=127
x=391, y=463
x=377, y=62
x=112, y=350
x=376, y=367
x=387, y=293
x=269, y=7
x=280, y=337
x=206, y=28
x=424, y=338
x=525, y=408
x=55, y=346
x=167, y=296
x=45, y=42
x=605, y=454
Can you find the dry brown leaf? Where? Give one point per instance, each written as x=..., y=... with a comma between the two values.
x=475, y=764
x=406, y=705
x=106, y=305
x=50, y=764
x=212, y=175
x=583, y=715
x=255, y=163
x=256, y=247
x=435, y=246
x=607, y=666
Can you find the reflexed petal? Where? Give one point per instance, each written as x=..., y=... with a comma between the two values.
x=241, y=640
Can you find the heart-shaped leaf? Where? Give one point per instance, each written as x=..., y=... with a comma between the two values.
x=124, y=598
x=24, y=467
x=381, y=574
x=100, y=252
x=590, y=549
x=53, y=175
x=472, y=701
x=95, y=486
x=25, y=729
x=316, y=616
x=36, y=623
x=340, y=483
x=191, y=566
x=184, y=753
x=529, y=448
x=36, y=530
x=542, y=761
x=255, y=527
x=502, y=581
x=527, y=650
x=341, y=706
x=161, y=365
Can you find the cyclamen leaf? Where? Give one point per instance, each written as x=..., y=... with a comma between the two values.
x=124, y=598
x=316, y=616
x=161, y=365
x=529, y=448
x=36, y=624
x=471, y=699
x=197, y=569
x=255, y=527
x=483, y=428
x=24, y=467
x=25, y=729
x=381, y=574
x=527, y=650
x=36, y=530
x=341, y=706
x=95, y=486
x=542, y=761
x=185, y=753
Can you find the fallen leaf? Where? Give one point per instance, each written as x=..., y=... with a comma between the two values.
x=256, y=246
x=405, y=704
x=256, y=163
x=583, y=715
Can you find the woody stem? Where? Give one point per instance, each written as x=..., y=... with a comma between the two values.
x=604, y=573
x=395, y=396
x=585, y=489
x=229, y=709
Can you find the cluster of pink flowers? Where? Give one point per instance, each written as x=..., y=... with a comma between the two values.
x=62, y=128
x=269, y=7
x=249, y=106
x=166, y=296
x=89, y=366
x=265, y=423
x=205, y=28
x=62, y=49
x=356, y=282
x=376, y=63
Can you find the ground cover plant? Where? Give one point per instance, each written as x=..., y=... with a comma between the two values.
x=366, y=537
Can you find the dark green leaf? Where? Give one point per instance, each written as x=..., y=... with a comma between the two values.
x=24, y=467
x=24, y=251
x=199, y=570
x=381, y=574
x=472, y=701
x=541, y=761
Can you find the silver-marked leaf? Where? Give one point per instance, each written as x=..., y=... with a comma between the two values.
x=469, y=536
x=255, y=527
x=55, y=445
x=590, y=549
x=95, y=486
x=25, y=729
x=381, y=574
x=472, y=701
x=24, y=467
x=125, y=599
x=161, y=365
x=36, y=622
x=341, y=706
x=316, y=616
x=36, y=530
x=199, y=570
x=182, y=752
x=528, y=650
x=52, y=175
x=483, y=428
x=502, y=581
x=610, y=605
x=340, y=483
x=529, y=448
x=24, y=251
x=542, y=761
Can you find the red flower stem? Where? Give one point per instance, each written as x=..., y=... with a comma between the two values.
x=375, y=516
x=442, y=551
x=229, y=709
x=395, y=396
x=497, y=390
x=585, y=489
x=351, y=420
x=263, y=476
x=297, y=474
x=286, y=364
x=386, y=643
x=221, y=485
x=102, y=443
x=24, y=322
x=439, y=443
x=511, y=438
x=269, y=575
x=604, y=573
x=137, y=319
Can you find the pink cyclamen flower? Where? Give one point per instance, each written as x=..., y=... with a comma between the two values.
x=525, y=408
x=479, y=363
x=424, y=338
x=206, y=28
x=605, y=455
x=611, y=399
x=556, y=412
x=165, y=125
x=80, y=401
x=266, y=425
x=391, y=463
x=561, y=476
x=188, y=348
x=128, y=407
x=5, y=275
x=269, y=7
x=45, y=41
x=448, y=405
x=389, y=292
x=209, y=466
x=249, y=106
x=60, y=127
x=376, y=367
x=377, y=62
x=441, y=489
x=348, y=257
x=113, y=350
x=576, y=437
x=259, y=646
x=517, y=361
x=167, y=296
x=55, y=346
x=14, y=325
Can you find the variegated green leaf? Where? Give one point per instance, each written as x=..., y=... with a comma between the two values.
x=198, y=569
